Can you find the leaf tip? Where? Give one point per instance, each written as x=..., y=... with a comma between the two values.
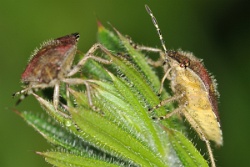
x=39, y=99
x=117, y=32
x=16, y=111
x=100, y=26
x=39, y=153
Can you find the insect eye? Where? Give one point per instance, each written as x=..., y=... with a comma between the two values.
x=77, y=35
x=182, y=65
x=185, y=63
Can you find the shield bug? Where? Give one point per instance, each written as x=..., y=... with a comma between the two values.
x=52, y=64
x=195, y=91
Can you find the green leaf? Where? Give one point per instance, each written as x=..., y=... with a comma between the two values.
x=134, y=112
x=109, y=39
x=111, y=137
x=187, y=153
x=61, y=159
x=54, y=133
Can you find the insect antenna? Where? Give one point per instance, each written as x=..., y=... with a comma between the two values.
x=23, y=94
x=157, y=28
x=21, y=98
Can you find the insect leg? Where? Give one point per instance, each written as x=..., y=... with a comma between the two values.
x=77, y=81
x=177, y=110
x=156, y=63
x=160, y=62
x=163, y=79
x=89, y=55
x=42, y=101
x=56, y=95
x=168, y=100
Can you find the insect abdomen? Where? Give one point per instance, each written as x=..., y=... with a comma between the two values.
x=199, y=106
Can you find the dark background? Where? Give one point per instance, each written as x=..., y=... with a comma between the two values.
x=218, y=32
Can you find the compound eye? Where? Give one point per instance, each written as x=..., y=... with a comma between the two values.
x=182, y=65
x=77, y=35
x=185, y=63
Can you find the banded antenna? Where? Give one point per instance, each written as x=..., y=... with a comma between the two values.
x=158, y=29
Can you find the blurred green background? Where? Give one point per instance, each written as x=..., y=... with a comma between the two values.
x=218, y=32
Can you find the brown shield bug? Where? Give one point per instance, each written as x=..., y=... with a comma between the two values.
x=52, y=64
x=194, y=89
